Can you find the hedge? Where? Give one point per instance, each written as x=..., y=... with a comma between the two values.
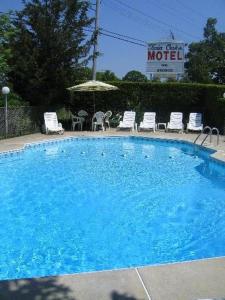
x=162, y=98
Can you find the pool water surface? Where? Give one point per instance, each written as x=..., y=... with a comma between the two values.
x=89, y=204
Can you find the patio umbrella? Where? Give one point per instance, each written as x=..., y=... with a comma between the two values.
x=93, y=86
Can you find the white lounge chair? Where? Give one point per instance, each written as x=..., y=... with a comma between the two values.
x=148, y=121
x=128, y=121
x=98, y=120
x=176, y=122
x=195, y=122
x=51, y=123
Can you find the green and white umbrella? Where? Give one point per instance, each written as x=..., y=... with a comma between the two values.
x=93, y=86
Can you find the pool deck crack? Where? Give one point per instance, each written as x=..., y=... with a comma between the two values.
x=143, y=284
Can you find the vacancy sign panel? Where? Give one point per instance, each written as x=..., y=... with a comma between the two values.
x=165, y=58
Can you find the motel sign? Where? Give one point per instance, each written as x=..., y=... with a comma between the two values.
x=165, y=58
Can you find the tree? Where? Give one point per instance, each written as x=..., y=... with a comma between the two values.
x=206, y=59
x=7, y=31
x=106, y=76
x=50, y=46
x=84, y=73
x=135, y=76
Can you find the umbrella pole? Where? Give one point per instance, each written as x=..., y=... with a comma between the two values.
x=94, y=101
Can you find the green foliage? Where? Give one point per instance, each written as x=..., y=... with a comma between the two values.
x=115, y=120
x=135, y=76
x=106, y=76
x=7, y=32
x=63, y=114
x=206, y=59
x=171, y=79
x=14, y=100
x=84, y=73
x=50, y=46
x=163, y=98
x=216, y=112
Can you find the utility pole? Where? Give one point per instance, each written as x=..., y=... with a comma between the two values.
x=95, y=51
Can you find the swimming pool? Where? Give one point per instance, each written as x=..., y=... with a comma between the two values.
x=88, y=204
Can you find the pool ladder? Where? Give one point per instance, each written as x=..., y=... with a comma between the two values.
x=210, y=132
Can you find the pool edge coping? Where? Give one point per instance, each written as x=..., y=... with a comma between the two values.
x=213, y=155
x=121, y=269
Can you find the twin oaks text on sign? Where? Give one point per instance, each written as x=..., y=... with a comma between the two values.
x=165, y=58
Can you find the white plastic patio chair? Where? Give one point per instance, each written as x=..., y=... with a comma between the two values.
x=128, y=121
x=82, y=113
x=148, y=121
x=195, y=122
x=52, y=124
x=108, y=115
x=77, y=121
x=176, y=122
x=98, y=120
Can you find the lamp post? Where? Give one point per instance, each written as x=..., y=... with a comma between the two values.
x=5, y=92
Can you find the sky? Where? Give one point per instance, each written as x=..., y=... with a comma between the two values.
x=145, y=20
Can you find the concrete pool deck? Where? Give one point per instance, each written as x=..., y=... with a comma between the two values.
x=200, y=279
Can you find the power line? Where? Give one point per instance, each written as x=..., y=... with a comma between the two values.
x=172, y=11
x=118, y=38
x=122, y=39
x=125, y=13
x=190, y=9
x=153, y=18
x=122, y=35
x=138, y=19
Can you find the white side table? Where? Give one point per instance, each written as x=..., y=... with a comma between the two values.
x=161, y=126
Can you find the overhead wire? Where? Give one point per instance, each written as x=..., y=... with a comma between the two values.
x=108, y=33
x=122, y=39
x=190, y=9
x=122, y=35
x=154, y=19
x=144, y=44
x=143, y=21
x=171, y=11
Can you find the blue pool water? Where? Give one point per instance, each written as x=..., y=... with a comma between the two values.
x=95, y=204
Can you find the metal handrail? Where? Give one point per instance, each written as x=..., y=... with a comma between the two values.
x=210, y=133
x=217, y=134
x=211, y=130
x=203, y=131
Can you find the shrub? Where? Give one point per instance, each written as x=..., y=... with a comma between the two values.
x=64, y=116
x=163, y=98
x=14, y=100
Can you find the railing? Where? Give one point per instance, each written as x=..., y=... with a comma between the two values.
x=202, y=132
x=217, y=134
x=208, y=134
